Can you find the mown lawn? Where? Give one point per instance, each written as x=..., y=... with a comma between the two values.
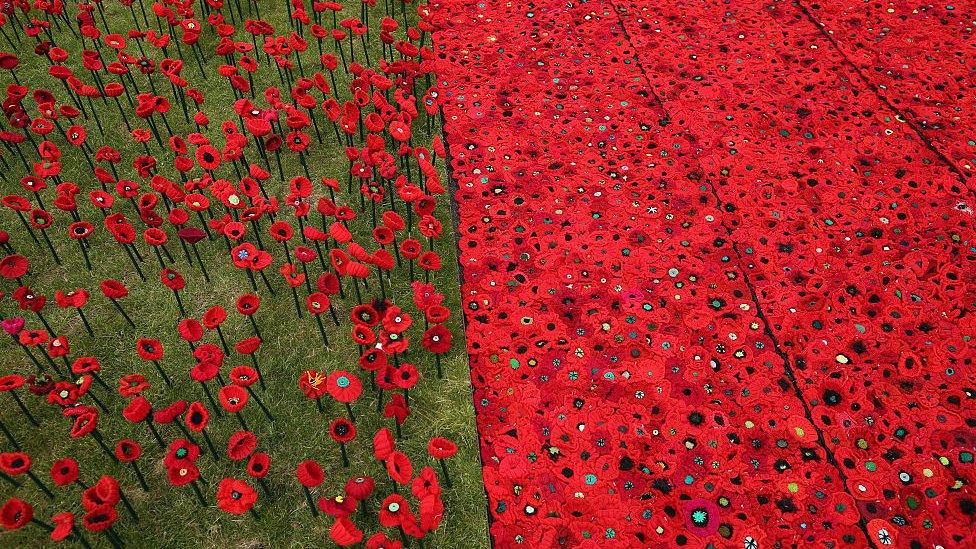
x=170, y=516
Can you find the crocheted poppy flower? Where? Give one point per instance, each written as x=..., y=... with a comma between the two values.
x=233, y=398
x=441, y=448
x=85, y=420
x=383, y=444
x=190, y=329
x=236, y=496
x=127, y=450
x=80, y=229
x=182, y=472
x=14, y=463
x=342, y=430
x=243, y=376
x=64, y=471
x=137, y=410
x=406, y=376
x=309, y=473
x=344, y=386
x=192, y=235
x=100, y=518
x=338, y=506
x=14, y=266
x=437, y=339
x=196, y=417
x=248, y=304
x=11, y=382
x=181, y=450
x=215, y=316
x=132, y=385
x=149, y=349
x=241, y=445
x=113, y=289
x=172, y=279
x=259, y=465
x=360, y=488
x=393, y=510
x=170, y=413
x=313, y=384
x=281, y=231
x=64, y=524
x=365, y=315
x=344, y=532
x=76, y=298
x=15, y=513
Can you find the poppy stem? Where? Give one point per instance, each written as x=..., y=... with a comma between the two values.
x=223, y=342
x=142, y=479
x=318, y=403
x=406, y=397
x=345, y=458
x=81, y=539
x=196, y=490
x=9, y=479
x=203, y=269
x=447, y=477
x=98, y=402
x=152, y=428
x=179, y=301
x=403, y=537
x=46, y=325
x=335, y=317
x=40, y=367
x=135, y=263
x=311, y=504
x=84, y=320
x=210, y=444
x=213, y=403
x=349, y=411
x=325, y=338
x=97, y=435
x=42, y=524
x=250, y=276
x=399, y=433
x=379, y=402
x=298, y=307
x=122, y=312
x=264, y=277
x=24, y=409
x=254, y=514
x=84, y=252
x=128, y=505
x=437, y=361
x=113, y=538
x=162, y=373
x=10, y=437
x=264, y=486
x=261, y=405
x=101, y=382
x=50, y=246
x=40, y=484
x=240, y=419
x=257, y=332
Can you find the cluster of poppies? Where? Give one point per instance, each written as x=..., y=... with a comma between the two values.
x=199, y=191
x=715, y=269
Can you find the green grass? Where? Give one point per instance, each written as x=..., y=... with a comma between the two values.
x=171, y=517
